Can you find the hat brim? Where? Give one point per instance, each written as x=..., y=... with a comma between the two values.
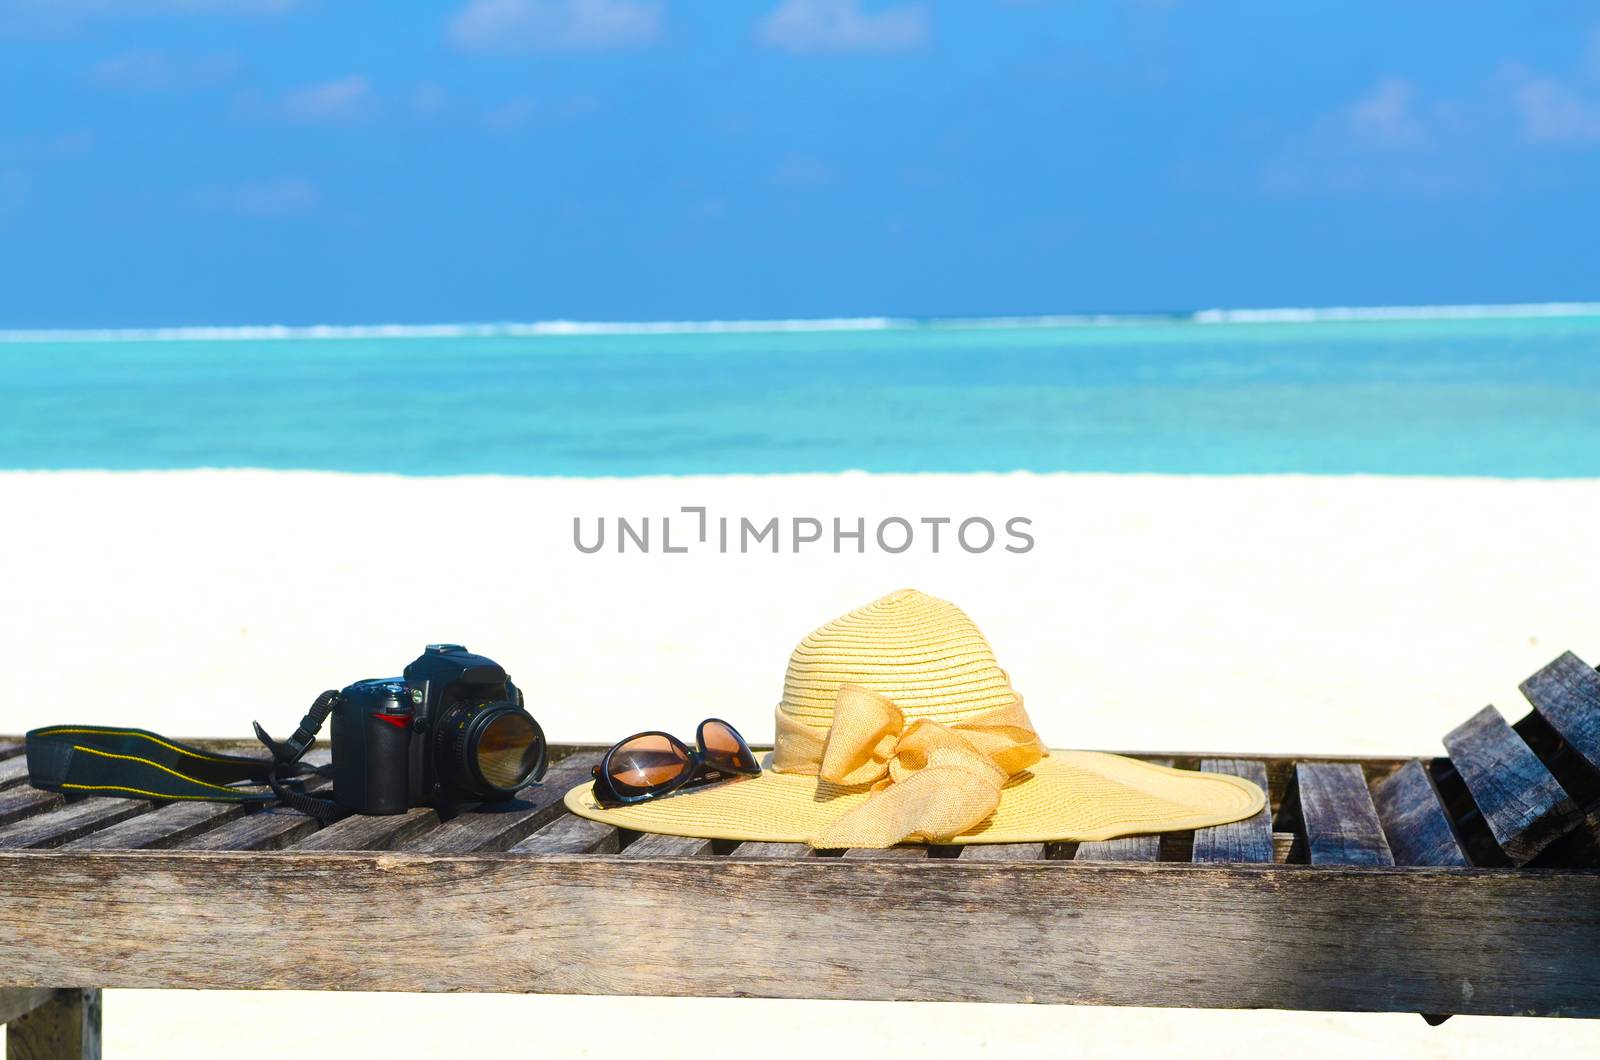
x=1067, y=796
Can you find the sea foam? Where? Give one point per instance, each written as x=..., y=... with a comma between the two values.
x=1283, y=315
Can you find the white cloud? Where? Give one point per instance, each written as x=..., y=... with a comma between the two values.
x=842, y=26
x=1387, y=114
x=152, y=71
x=1553, y=113
x=345, y=99
x=510, y=26
x=263, y=198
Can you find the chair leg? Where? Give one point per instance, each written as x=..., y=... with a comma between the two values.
x=20, y=1000
x=67, y=1027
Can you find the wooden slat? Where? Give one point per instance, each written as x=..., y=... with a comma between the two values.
x=571, y=834
x=66, y=823
x=13, y=771
x=19, y=802
x=499, y=826
x=163, y=827
x=1567, y=695
x=654, y=845
x=1369, y=939
x=1470, y=827
x=10, y=748
x=1283, y=844
x=1003, y=852
x=1523, y=805
x=17, y=1000
x=365, y=832
x=910, y=852
x=1249, y=840
x=271, y=828
x=1579, y=848
x=1414, y=819
x=1128, y=848
x=772, y=850
x=1333, y=808
x=67, y=1027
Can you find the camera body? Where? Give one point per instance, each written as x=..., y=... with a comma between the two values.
x=452, y=729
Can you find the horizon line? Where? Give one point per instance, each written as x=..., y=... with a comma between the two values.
x=505, y=329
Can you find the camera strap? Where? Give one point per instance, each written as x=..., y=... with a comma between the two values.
x=294, y=747
x=136, y=763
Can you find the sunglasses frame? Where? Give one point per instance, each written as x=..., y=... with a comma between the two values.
x=697, y=769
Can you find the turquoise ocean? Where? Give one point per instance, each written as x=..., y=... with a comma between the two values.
x=1503, y=393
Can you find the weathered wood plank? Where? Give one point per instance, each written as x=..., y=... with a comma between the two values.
x=271, y=828
x=1567, y=695
x=655, y=845
x=1003, y=852
x=1249, y=840
x=1523, y=805
x=364, y=832
x=571, y=834
x=1579, y=848
x=66, y=823
x=1128, y=848
x=1471, y=829
x=164, y=826
x=19, y=802
x=772, y=850
x=1361, y=939
x=1571, y=770
x=1329, y=806
x=13, y=771
x=1414, y=819
x=10, y=747
x=501, y=825
x=1283, y=844
x=67, y=1027
x=907, y=852
x=17, y=1000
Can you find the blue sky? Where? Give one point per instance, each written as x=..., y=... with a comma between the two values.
x=303, y=161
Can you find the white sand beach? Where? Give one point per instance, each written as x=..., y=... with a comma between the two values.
x=1243, y=614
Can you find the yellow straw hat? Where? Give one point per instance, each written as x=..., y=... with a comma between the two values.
x=897, y=724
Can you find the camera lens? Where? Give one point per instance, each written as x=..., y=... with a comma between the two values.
x=508, y=750
x=490, y=750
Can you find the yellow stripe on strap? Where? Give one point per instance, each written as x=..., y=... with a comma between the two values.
x=146, y=794
x=158, y=765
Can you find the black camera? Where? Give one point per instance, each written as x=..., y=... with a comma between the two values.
x=451, y=730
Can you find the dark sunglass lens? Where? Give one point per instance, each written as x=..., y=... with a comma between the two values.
x=646, y=761
x=724, y=747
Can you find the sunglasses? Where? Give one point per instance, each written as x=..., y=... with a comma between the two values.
x=650, y=765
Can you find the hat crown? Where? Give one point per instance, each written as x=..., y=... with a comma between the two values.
x=919, y=651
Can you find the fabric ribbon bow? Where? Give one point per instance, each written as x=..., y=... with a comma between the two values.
x=930, y=781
